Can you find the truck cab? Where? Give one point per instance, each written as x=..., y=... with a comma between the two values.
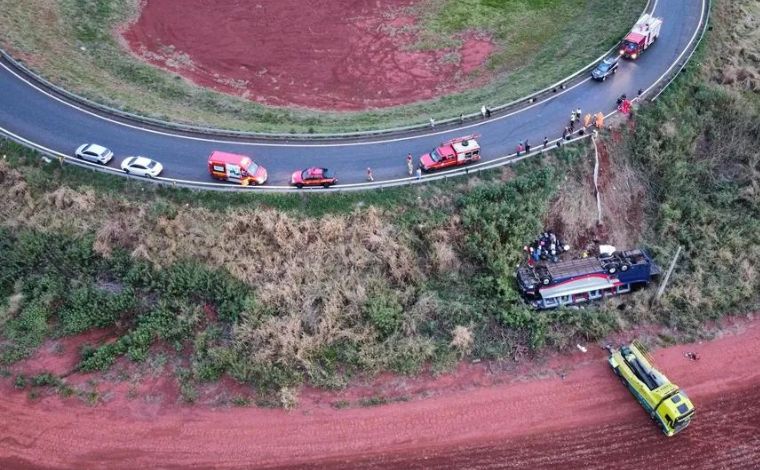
x=644, y=33
x=455, y=152
x=667, y=404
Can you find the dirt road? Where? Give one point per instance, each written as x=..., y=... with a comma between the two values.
x=586, y=419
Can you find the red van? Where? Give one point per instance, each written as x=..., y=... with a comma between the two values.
x=236, y=168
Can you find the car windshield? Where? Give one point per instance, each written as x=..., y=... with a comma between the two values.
x=603, y=67
x=309, y=174
x=252, y=168
x=630, y=45
x=434, y=156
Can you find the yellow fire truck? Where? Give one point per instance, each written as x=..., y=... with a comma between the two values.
x=667, y=405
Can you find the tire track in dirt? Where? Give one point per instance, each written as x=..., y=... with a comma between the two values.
x=586, y=420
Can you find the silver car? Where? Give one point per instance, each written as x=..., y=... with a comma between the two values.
x=94, y=153
x=141, y=166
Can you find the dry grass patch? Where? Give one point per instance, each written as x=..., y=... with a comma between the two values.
x=734, y=58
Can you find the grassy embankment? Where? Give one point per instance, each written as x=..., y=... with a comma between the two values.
x=320, y=289
x=540, y=41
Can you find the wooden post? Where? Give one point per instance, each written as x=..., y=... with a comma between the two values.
x=664, y=282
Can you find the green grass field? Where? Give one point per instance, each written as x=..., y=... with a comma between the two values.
x=72, y=43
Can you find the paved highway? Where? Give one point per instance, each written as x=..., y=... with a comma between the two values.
x=30, y=113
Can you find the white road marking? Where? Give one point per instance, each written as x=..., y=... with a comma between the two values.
x=680, y=56
x=282, y=144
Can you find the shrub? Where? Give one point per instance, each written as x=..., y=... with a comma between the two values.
x=384, y=312
x=88, y=307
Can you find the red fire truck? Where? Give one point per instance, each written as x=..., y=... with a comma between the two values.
x=236, y=168
x=644, y=33
x=454, y=152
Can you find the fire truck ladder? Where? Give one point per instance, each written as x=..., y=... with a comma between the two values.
x=461, y=139
x=640, y=371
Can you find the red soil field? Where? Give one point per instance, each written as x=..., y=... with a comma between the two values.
x=321, y=54
x=581, y=418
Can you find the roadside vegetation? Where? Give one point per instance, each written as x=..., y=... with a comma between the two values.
x=74, y=43
x=280, y=290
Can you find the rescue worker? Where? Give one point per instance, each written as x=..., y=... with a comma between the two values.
x=587, y=120
x=599, y=120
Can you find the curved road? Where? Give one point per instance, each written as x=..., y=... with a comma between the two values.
x=27, y=113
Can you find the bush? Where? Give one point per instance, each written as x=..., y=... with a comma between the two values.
x=88, y=307
x=24, y=333
x=384, y=312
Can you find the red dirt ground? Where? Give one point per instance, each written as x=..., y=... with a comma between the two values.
x=585, y=420
x=320, y=54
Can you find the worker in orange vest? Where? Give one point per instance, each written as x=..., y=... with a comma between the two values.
x=599, y=120
x=587, y=120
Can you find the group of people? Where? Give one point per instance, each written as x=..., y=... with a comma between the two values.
x=575, y=119
x=546, y=247
x=624, y=104
x=523, y=147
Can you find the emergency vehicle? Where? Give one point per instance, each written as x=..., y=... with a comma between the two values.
x=548, y=285
x=455, y=152
x=313, y=176
x=236, y=168
x=666, y=403
x=644, y=33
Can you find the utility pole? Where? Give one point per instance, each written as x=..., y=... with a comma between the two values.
x=667, y=277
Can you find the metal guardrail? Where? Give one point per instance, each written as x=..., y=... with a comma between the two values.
x=191, y=129
x=478, y=167
x=227, y=187
x=705, y=25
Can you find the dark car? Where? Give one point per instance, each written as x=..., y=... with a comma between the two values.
x=606, y=68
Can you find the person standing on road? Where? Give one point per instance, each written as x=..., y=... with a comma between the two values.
x=587, y=120
x=432, y=123
x=419, y=173
x=370, y=178
x=488, y=112
x=527, y=146
x=578, y=113
x=546, y=142
x=599, y=120
x=483, y=111
x=519, y=148
x=410, y=164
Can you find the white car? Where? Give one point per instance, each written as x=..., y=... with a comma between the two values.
x=94, y=153
x=141, y=166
